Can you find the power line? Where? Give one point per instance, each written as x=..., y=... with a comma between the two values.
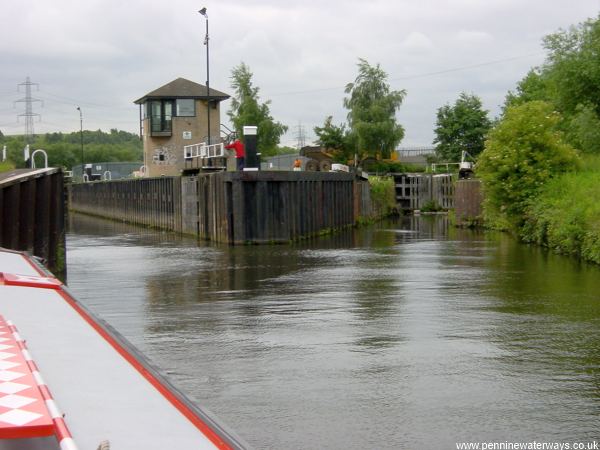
x=10, y=124
x=419, y=75
x=458, y=69
x=7, y=94
x=73, y=101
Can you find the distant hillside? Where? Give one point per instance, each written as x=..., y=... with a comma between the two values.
x=64, y=149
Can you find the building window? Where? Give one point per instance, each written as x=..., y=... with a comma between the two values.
x=186, y=107
x=161, y=117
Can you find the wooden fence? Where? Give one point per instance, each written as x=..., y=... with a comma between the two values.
x=32, y=215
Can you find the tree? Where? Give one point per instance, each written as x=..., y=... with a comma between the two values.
x=64, y=149
x=330, y=135
x=462, y=126
x=523, y=151
x=372, y=111
x=534, y=86
x=583, y=129
x=573, y=66
x=247, y=111
x=570, y=80
x=336, y=139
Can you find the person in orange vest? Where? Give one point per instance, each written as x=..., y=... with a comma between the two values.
x=240, y=153
x=297, y=164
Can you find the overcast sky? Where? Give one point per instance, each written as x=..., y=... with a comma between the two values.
x=104, y=54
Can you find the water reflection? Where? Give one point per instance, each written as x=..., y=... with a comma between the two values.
x=408, y=334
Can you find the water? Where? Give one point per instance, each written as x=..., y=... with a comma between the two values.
x=406, y=335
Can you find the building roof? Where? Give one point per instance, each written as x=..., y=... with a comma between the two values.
x=182, y=88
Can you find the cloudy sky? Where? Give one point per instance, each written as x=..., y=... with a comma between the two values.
x=104, y=54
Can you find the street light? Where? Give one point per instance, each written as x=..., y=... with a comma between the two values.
x=203, y=12
x=81, y=137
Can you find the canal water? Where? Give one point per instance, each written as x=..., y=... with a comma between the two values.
x=405, y=335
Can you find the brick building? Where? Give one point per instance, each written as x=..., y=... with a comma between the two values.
x=173, y=116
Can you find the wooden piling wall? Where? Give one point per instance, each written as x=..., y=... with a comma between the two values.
x=232, y=207
x=468, y=199
x=264, y=207
x=155, y=202
x=32, y=215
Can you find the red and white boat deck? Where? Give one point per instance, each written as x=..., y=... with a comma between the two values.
x=68, y=380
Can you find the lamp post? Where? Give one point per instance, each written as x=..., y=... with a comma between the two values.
x=203, y=12
x=81, y=137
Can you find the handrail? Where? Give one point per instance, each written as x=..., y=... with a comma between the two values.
x=202, y=150
x=45, y=158
x=435, y=165
x=405, y=152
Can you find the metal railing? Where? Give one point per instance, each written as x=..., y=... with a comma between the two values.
x=204, y=151
x=406, y=152
x=434, y=166
x=39, y=150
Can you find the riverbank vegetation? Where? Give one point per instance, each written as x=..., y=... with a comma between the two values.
x=383, y=196
x=565, y=215
x=541, y=163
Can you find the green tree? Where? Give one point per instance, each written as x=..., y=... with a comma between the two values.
x=583, y=129
x=372, y=109
x=573, y=66
x=247, y=111
x=523, y=151
x=462, y=126
x=534, y=86
x=570, y=80
x=336, y=139
x=330, y=135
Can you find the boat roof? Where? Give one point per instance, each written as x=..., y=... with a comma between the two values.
x=106, y=389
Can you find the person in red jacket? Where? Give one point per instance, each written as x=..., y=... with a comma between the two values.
x=240, y=153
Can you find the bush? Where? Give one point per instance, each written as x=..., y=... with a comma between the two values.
x=373, y=165
x=383, y=195
x=523, y=152
x=431, y=206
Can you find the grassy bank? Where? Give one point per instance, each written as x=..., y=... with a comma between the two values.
x=6, y=166
x=565, y=215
